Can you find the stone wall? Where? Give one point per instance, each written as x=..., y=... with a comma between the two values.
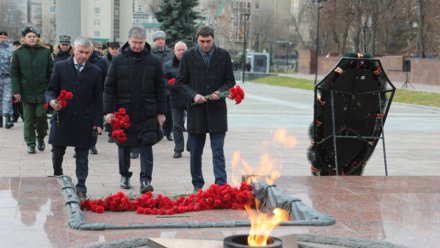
x=423, y=71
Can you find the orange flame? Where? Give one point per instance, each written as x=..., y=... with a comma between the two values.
x=266, y=170
x=281, y=137
x=262, y=224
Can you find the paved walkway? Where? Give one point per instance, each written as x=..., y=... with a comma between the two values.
x=412, y=138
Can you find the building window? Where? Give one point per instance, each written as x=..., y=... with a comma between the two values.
x=97, y=22
x=96, y=33
x=97, y=10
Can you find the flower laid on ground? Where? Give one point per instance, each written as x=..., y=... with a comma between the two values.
x=215, y=197
x=172, y=81
x=62, y=100
x=120, y=121
x=235, y=93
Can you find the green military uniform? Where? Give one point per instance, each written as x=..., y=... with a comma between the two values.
x=31, y=69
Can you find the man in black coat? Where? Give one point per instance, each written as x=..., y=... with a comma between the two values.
x=206, y=70
x=165, y=54
x=82, y=117
x=178, y=102
x=135, y=82
x=97, y=60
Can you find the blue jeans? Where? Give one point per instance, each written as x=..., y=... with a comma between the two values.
x=197, y=142
x=146, y=160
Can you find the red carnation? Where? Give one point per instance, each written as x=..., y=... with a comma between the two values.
x=120, y=122
x=172, y=81
x=62, y=100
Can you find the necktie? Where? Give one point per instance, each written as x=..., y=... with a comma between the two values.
x=78, y=68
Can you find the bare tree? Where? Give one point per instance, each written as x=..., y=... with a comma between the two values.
x=11, y=18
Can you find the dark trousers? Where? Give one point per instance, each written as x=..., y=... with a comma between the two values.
x=18, y=110
x=82, y=165
x=146, y=160
x=168, y=124
x=178, y=125
x=197, y=142
x=94, y=141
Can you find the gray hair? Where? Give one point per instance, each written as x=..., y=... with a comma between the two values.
x=180, y=43
x=137, y=32
x=83, y=41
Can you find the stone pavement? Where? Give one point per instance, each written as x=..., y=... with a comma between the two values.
x=412, y=138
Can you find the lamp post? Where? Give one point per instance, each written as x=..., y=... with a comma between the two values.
x=319, y=6
x=245, y=19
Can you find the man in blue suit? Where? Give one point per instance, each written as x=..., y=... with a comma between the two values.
x=82, y=118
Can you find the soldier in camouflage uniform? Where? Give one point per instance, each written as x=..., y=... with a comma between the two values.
x=5, y=81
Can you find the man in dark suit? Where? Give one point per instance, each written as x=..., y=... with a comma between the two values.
x=81, y=119
x=206, y=70
x=135, y=82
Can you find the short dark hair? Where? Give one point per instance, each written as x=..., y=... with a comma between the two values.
x=205, y=31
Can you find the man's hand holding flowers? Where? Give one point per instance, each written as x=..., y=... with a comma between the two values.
x=55, y=105
x=199, y=99
x=236, y=93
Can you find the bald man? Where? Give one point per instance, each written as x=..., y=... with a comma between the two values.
x=177, y=101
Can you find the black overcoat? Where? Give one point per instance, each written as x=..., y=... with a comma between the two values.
x=171, y=69
x=196, y=77
x=135, y=82
x=84, y=111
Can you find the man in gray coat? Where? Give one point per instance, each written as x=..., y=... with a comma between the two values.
x=206, y=70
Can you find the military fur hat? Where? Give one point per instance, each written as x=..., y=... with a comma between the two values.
x=3, y=33
x=158, y=34
x=29, y=29
x=113, y=44
x=64, y=39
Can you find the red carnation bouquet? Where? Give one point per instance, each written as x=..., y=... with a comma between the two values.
x=215, y=197
x=120, y=121
x=62, y=100
x=235, y=93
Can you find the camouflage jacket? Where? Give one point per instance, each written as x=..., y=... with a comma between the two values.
x=5, y=58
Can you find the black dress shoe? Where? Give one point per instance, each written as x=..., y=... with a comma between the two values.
x=169, y=137
x=146, y=187
x=134, y=155
x=196, y=190
x=93, y=150
x=177, y=155
x=31, y=150
x=125, y=183
x=41, y=146
x=15, y=118
x=82, y=196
